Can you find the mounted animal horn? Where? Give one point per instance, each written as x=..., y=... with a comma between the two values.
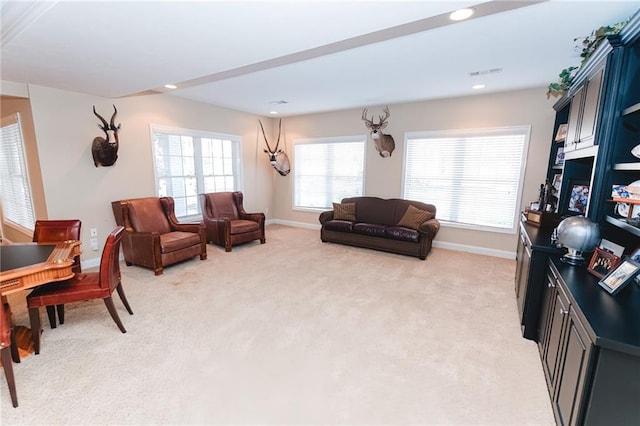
x=384, y=142
x=277, y=157
x=105, y=150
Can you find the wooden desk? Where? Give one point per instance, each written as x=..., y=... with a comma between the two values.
x=24, y=266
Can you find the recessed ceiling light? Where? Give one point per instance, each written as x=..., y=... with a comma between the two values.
x=273, y=112
x=461, y=14
x=170, y=86
x=478, y=86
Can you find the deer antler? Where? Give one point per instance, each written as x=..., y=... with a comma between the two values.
x=387, y=114
x=104, y=126
x=279, y=132
x=365, y=119
x=113, y=117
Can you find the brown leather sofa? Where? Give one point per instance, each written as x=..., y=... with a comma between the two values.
x=376, y=226
x=154, y=238
x=227, y=222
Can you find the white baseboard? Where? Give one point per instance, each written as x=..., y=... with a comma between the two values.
x=475, y=249
x=440, y=244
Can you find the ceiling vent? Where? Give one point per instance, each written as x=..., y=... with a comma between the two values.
x=485, y=72
x=278, y=102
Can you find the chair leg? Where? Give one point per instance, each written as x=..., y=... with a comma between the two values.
x=123, y=298
x=34, y=319
x=60, y=309
x=5, y=355
x=15, y=354
x=108, y=301
x=51, y=313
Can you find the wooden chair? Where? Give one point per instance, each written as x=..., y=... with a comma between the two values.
x=153, y=236
x=84, y=286
x=227, y=222
x=54, y=231
x=8, y=350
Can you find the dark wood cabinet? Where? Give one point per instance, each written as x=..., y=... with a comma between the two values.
x=591, y=366
x=534, y=248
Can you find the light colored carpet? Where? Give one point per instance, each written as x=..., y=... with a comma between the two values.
x=292, y=332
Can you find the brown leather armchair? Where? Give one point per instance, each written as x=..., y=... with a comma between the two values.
x=226, y=221
x=154, y=238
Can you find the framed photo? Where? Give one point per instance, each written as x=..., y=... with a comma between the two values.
x=635, y=256
x=559, y=156
x=602, y=262
x=614, y=248
x=561, y=134
x=578, y=198
x=534, y=205
x=557, y=181
x=618, y=278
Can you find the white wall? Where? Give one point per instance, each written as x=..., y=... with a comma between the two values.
x=384, y=175
x=65, y=127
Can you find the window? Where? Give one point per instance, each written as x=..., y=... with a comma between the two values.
x=15, y=190
x=473, y=177
x=191, y=162
x=327, y=170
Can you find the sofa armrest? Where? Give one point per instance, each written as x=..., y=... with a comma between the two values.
x=188, y=227
x=326, y=217
x=255, y=217
x=429, y=228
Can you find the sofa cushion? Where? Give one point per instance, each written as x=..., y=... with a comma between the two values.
x=339, y=225
x=242, y=226
x=147, y=215
x=403, y=234
x=344, y=211
x=413, y=217
x=372, y=229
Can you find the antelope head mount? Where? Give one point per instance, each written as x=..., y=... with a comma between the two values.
x=384, y=143
x=105, y=150
x=277, y=157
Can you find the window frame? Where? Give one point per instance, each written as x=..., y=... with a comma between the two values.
x=237, y=159
x=524, y=130
x=327, y=140
x=6, y=121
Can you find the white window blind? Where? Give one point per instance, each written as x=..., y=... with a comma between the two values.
x=473, y=177
x=327, y=170
x=191, y=162
x=15, y=189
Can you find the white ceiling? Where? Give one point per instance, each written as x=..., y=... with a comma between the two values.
x=316, y=55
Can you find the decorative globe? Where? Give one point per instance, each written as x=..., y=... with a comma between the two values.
x=578, y=234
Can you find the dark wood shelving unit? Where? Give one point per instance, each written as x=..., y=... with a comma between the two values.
x=633, y=109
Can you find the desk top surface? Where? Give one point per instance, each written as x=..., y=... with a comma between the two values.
x=21, y=255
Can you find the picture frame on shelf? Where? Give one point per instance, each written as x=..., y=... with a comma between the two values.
x=561, y=134
x=620, y=276
x=559, y=161
x=557, y=181
x=578, y=198
x=613, y=248
x=602, y=262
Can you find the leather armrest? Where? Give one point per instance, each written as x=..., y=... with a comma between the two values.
x=429, y=228
x=255, y=217
x=188, y=227
x=326, y=216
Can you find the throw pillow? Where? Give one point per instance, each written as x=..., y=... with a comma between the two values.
x=413, y=217
x=345, y=211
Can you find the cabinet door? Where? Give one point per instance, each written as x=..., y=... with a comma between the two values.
x=571, y=374
x=522, y=272
x=590, y=110
x=546, y=309
x=557, y=321
x=575, y=111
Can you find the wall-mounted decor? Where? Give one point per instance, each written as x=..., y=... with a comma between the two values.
x=579, y=198
x=561, y=135
x=384, y=142
x=277, y=157
x=105, y=150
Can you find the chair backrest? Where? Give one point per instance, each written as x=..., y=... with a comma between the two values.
x=5, y=325
x=110, y=260
x=147, y=215
x=221, y=205
x=54, y=231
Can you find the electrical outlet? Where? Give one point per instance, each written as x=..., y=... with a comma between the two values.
x=94, y=244
x=94, y=232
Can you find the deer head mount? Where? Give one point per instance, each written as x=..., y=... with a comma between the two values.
x=105, y=150
x=384, y=143
x=277, y=157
